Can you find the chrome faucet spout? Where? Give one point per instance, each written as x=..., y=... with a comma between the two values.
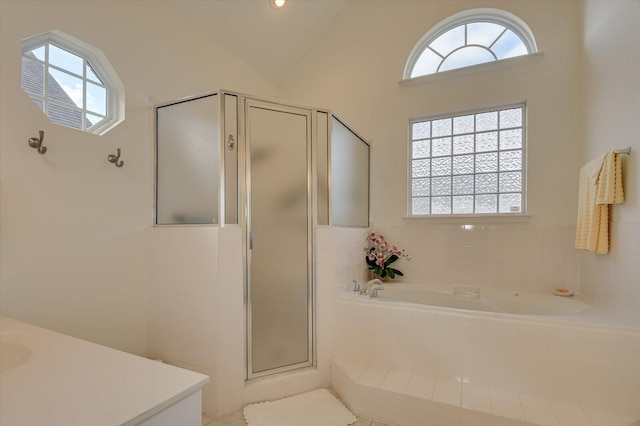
x=367, y=287
x=373, y=293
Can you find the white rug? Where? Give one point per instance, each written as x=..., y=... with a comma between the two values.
x=315, y=408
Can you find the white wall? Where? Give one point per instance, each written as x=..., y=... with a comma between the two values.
x=355, y=68
x=74, y=247
x=611, y=67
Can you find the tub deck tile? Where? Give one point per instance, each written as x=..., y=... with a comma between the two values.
x=396, y=381
x=447, y=392
x=421, y=386
x=372, y=376
x=396, y=396
x=538, y=410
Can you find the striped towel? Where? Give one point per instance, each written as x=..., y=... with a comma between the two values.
x=600, y=186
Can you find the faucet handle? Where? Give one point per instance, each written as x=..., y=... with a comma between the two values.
x=356, y=286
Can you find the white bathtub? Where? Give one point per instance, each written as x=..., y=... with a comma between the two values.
x=556, y=348
x=504, y=303
x=497, y=300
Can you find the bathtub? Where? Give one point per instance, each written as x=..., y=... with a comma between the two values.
x=516, y=344
x=496, y=300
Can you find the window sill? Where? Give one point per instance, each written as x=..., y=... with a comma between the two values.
x=469, y=218
x=503, y=63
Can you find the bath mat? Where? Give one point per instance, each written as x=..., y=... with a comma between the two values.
x=316, y=408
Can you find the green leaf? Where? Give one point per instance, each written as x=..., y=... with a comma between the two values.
x=390, y=273
x=391, y=259
x=395, y=271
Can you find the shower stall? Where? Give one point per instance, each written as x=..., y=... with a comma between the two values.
x=277, y=171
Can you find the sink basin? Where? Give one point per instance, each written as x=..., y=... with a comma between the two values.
x=13, y=355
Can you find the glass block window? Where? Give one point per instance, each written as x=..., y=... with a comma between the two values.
x=470, y=38
x=468, y=163
x=71, y=82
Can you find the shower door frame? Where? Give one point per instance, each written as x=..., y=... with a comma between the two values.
x=244, y=104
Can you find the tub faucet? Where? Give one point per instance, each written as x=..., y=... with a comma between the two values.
x=369, y=284
x=373, y=293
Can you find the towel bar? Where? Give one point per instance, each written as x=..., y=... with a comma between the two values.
x=626, y=151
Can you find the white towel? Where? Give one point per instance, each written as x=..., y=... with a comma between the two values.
x=600, y=186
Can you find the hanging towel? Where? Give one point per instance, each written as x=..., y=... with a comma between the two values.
x=600, y=186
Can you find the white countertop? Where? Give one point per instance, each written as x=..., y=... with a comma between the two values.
x=68, y=381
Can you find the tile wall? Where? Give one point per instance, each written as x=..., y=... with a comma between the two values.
x=614, y=278
x=196, y=303
x=183, y=324
x=517, y=255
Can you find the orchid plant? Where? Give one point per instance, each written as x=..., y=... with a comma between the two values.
x=380, y=255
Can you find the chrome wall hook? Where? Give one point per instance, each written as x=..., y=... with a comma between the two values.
x=36, y=143
x=114, y=159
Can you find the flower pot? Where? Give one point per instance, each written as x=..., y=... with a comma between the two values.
x=376, y=276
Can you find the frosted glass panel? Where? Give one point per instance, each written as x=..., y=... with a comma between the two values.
x=487, y=142
x=422, y=130
x=441, y=186
x=511, y=182
x=479, y=167
x=420, y=168
x=441, y=127
x=349, y=177
x=486, y=203
x=279, y=288
x=510, y=203
x=487, y=162
x=511, y=139
x=463, y=144
x=441, y=166
x=463, y=204
x=188, y=162
x=421, y=149
x=486, y=121
x=487, y=183
x=463, y=124
x=510, y=160
x=462, y=164
x=441, y=205
x=420, y=206
x=440, y=147
x=511, y=118
x=463, y=184
x=421, y=187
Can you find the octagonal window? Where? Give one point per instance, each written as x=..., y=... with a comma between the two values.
x=72, y=82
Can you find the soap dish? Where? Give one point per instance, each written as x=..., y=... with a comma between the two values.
x=563, y=292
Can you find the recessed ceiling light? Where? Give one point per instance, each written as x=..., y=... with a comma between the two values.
x=277, y=4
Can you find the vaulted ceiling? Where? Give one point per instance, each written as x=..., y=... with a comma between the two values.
x=270, y=40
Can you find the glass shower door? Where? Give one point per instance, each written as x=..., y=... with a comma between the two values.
x=278, y=238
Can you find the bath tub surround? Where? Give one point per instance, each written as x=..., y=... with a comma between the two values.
x=478, y=354
x=54, y=379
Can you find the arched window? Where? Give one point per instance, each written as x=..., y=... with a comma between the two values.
x=72, y=82
x=470, y=38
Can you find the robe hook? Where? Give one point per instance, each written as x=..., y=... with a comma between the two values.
x=36, y=143
x=114, y=159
